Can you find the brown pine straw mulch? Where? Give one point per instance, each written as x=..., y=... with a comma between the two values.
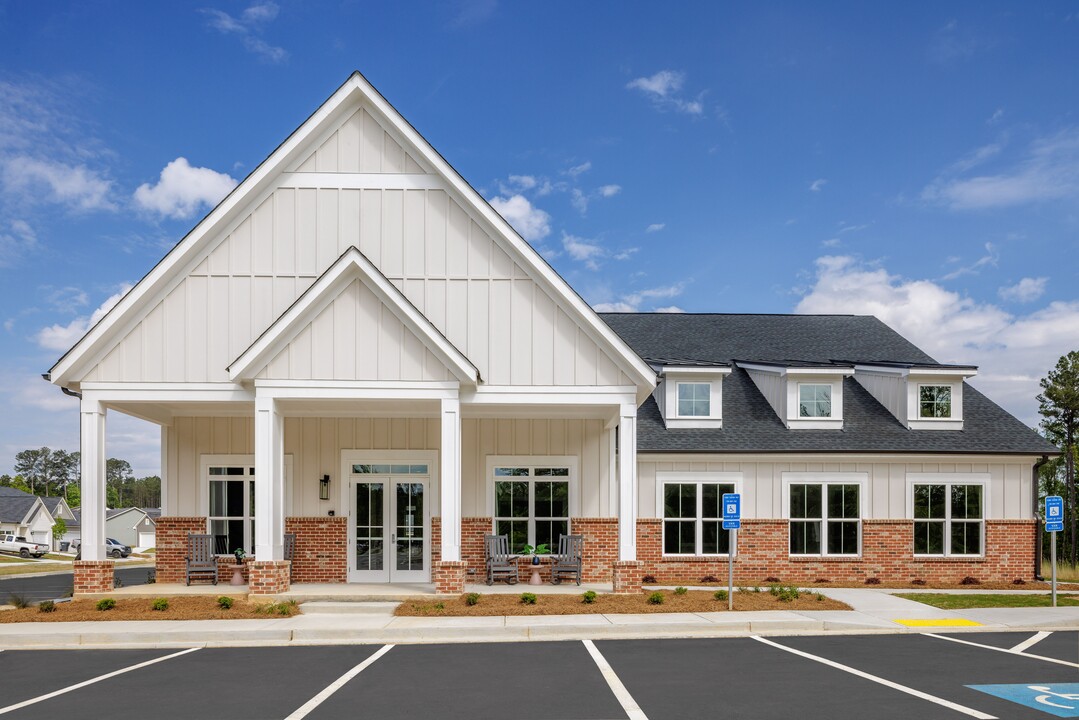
x=883, y=585
x=693, y=601
x=180, y=608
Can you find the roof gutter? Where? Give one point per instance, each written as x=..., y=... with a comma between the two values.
x=71, y=393
x=1039, y=536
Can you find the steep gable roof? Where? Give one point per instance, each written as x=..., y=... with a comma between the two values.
x=100, y=339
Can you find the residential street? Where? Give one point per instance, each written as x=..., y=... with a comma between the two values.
x=882, y=676
x=36, y=588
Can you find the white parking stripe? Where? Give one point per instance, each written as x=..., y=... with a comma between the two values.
x=633, y=710
x=887, y=683
x=1003, y=650
x=1031, y=641
x=337, y=684
x=91, y=681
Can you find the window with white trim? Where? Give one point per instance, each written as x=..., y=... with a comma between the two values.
x=693, y=518
x=694, y=399
x=814, y=400
x=935, y=401
x=949, y=518
x=232, y=507
x=825, y=518
x=531, y=505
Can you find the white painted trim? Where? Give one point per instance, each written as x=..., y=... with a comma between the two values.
x=248, y=461
x=698, y=478
x=350, y=266
x=957, y=478
x=361, y=181
x=861, y=479
x=797, y=371
x=547, y=395
x=302, y=390
x=533, y=461
x=683, y=370
x=167, y=392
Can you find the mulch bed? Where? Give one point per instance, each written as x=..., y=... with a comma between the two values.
x=1029, y=585
x=180, y=608
x=692, y=602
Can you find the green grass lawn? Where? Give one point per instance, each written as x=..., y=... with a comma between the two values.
x=950, y=601
x=26, y=568
x=12, y=559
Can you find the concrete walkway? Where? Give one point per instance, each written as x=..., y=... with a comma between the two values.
x=339, y=623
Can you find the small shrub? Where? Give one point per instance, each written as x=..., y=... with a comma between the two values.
x=106, y=604
x=917, y=581
x=472, y=598
x=528, y=598
x=771, y=579
x=151, y=577
x=720, y=595
x=968, y=580
x=161, y=605
x=872, y=581
x=19, y=601
x=822, y=580
x=820, y=598
x=655, y=598
x=742, y=589
x=709, y=579
x=756, y=588
x=648, y=579
x=46, y=606
x=589, y=597
x=1019, y=581
x=440, y=606
x=680, y=590
x=784, y=593
x=117, y=582
x=224, y=602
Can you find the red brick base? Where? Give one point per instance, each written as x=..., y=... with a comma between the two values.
x=171, y=538
x=321, y=549
x=268, y=577
x=628, y=575
x=93, y=576
x=887, y=554
x=449, y=577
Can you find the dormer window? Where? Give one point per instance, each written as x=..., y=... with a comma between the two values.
x=814, y=401
x=935, y=401
x=694, y=399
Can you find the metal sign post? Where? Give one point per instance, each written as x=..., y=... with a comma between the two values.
x=1054, y=523
x=732, y=520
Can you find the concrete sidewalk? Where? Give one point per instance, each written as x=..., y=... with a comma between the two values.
x=331, y=623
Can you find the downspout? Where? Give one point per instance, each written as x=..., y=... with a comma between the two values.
x=71, y=393
x=1039, y=536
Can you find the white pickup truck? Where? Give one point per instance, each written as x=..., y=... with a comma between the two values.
x=18, y=544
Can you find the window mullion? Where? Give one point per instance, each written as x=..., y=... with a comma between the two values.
x=698, y=524
x=531, y=508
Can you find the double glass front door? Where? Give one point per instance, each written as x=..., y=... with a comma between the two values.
x=388, y=528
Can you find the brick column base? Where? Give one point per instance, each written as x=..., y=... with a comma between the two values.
x=628, y=575
x=450, y=577
x=268, y=577
x=93, y=576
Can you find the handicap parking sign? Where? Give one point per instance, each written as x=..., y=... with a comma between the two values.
x=732, y=511
x=1056, y=699
x=1054, y=513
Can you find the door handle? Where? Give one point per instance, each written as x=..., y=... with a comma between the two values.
x=393, y=538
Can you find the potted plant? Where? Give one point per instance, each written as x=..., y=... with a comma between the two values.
x=535, y=552
x=240, y=555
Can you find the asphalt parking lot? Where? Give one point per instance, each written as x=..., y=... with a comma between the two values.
x=1017, y=674
x=35, y=588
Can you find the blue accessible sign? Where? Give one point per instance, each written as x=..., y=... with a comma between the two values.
x=732, y=511
x=1057, y=699
x=1054, y=513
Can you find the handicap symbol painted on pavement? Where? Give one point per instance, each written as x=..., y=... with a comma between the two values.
x=1057, y=699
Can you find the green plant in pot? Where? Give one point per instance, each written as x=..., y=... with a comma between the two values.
x=240, y=555
x=535, y=552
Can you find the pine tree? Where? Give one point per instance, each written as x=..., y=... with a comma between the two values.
x=1058, y=404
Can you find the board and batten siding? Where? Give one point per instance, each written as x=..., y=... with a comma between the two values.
x=1009, y=486
x=315, y=446
x=441, y=256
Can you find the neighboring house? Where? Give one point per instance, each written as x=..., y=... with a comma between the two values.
x=353, y=347
x=26, y=515
x=59, y=510
x=133, y=527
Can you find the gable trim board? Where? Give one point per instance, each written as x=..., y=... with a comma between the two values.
x=193, y=248
x=352, y=265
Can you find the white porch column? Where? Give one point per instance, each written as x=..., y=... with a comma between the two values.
x=627, y=483
x=449, y=479
x=92, y=447
x=269, y=481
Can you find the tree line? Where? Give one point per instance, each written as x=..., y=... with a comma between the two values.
x=47, y=472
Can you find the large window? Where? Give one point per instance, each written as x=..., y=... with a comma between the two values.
x=531, y=505
x=693, y=518
x=232, y=507
x=948, y=519
x=934, y=401
x=694, y=399
x=825, y=518
x=814, y=401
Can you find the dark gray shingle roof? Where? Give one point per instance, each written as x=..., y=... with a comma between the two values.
x=14, y=504
x=751, y=425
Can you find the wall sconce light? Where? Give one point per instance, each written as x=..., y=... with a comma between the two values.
x=324, y=488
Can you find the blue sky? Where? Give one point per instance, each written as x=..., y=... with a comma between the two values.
x=919, y=163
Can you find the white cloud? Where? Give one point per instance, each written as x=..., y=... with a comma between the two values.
x=831, y=242
x=33, y=392
x=669, y=309
x=664, y=90
x=991, y=257
x=523, y=182
x=579, y=169
x=586, y=251
x=631, y=302
x=247, y=27
x=626, y=254
x=182, y=189
x=16, y=242
x=62, y=337
x=655, y=227
x=1024, y=291
x=533, y=224
x=74, y=185
x=609, y=190
x=613, y=307
x=1047, y=170
x=578, y=200
x=1013, y=351
x=818, y=184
